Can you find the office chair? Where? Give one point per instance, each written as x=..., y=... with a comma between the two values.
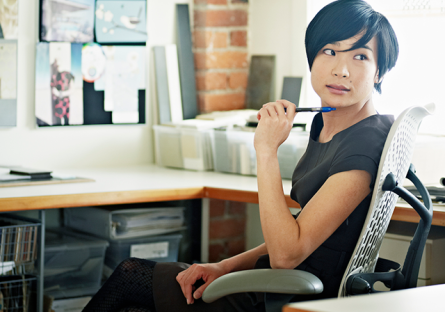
x=364, y=267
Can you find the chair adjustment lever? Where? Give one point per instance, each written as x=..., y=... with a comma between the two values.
x=357, y=286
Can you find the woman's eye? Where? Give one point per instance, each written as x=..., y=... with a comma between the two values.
x=329, y=51
x=360, y=57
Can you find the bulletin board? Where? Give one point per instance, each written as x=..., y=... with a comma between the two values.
x=90, y=62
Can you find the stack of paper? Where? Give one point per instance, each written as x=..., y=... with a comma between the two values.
x=21, y=173
x=136, y=221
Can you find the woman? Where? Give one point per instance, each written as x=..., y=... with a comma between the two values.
x=349, y=47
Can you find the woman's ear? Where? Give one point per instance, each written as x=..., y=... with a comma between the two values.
x=377, y=78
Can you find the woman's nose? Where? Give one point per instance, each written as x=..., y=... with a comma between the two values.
x=340, y=70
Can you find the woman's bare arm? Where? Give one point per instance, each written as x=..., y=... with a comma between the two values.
x=291, y=241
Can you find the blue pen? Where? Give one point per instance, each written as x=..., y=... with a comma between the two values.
x=315, y=109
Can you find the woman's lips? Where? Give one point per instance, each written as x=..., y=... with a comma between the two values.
x=337, y=89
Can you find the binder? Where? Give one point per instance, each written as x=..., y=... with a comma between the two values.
x=186, y=62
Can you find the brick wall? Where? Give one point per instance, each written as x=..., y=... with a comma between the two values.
x=221, y=56
x=226, y=229
x=221, y=61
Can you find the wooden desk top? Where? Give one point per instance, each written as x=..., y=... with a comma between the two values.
x=428, y=298
x=150, y=183
x=147, y=183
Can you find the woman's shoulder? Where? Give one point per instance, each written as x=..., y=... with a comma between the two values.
x=367, y=137
x=381, y=122
x=374, y=126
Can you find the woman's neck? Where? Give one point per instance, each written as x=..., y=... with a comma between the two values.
x=343, y=118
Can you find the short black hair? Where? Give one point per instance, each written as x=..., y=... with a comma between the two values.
x=343, y=19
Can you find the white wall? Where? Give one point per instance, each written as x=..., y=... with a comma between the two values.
x=79, y=146
x=278, y=28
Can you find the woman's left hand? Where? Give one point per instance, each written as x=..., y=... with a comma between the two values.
x=274, y=125
x=207, y=272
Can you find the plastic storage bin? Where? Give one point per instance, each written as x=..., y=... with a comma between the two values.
x=397, y=240
x=73, y=263
x=234, y=152
x=163, y=248
x=112, y=224
x=185, y=148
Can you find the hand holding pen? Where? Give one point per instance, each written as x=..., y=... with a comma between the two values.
x=302, y=109
x=274, y=124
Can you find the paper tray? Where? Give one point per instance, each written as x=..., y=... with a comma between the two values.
x=125, y=223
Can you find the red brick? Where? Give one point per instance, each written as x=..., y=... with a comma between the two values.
x=216, y=2
x=238, y=38
x=238, y=80
x=209, y=39
x=216, y=252
x=217, y=207
x=221, y=102
x=226, y=228
x=237, y=208
x=220, y=18
x=236, y=246
x=211, y=81
x=217, y=59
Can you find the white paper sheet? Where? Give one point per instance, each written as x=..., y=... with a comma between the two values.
x=8, y=69
x=99, y=85
x=124, y=76
x=174, y=87
x=9, y=18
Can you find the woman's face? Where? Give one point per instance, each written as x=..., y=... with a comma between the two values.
x=344, y=79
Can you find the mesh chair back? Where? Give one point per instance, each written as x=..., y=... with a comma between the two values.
x=396, y=158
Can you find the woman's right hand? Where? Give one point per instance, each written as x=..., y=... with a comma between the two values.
x=274, y=125
x=207, y=272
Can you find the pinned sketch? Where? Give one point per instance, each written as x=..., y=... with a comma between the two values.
x=8, y=83
x=67, y=20
x=121, y=21
x=123, y=78
x=8, y=69
x=9, y=25
x=93, y=62
x=131, y=56
x=58, y=68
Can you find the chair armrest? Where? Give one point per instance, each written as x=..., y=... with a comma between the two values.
x=263, y=280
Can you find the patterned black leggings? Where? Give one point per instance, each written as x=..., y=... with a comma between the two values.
x=128, y=289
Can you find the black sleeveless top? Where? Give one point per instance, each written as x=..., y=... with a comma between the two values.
x=356, y=148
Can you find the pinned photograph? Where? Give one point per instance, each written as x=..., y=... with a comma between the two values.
x=67, y=20
x=121, y=21
x=59, y=84
x=93, y=62
x=9, y=19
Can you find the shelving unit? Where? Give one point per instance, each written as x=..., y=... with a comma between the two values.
x=21, y=264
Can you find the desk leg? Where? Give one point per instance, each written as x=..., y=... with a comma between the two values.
x=41, y=262
x=205, y=210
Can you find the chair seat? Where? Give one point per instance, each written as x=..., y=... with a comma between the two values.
x=263, y=280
